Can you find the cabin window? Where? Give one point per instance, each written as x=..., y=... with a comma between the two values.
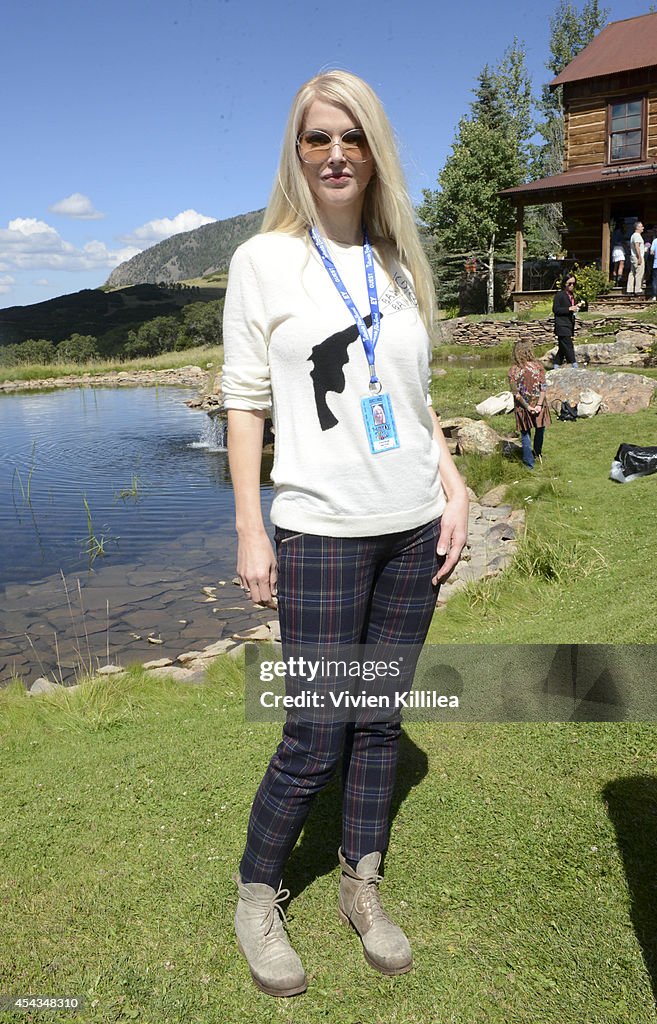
x=625, y=131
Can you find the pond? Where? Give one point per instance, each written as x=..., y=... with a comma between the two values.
x=115, y=511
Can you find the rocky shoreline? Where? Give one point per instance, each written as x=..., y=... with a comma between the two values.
x=182, y=376
x=493, y=534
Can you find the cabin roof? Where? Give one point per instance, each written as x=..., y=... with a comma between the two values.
x=581, y=177
x=621, y=46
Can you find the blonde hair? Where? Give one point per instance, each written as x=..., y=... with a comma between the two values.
x=523, y=353
x=387, y=210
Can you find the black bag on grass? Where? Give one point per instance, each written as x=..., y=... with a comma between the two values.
x=632, y=461
x=567, y=411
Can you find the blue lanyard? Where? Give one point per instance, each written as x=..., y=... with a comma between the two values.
x=369, y=343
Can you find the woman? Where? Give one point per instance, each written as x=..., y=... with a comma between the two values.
x=364, y=513
x=527, y=382
x=564, y=308
x=618, y=254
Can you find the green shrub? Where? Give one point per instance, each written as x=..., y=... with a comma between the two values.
x=79, y=348
x=591, y=282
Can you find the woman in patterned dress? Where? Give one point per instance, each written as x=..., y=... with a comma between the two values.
x=528, y=384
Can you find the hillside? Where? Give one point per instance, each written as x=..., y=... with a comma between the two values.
x=105, y=315
x=191, y=254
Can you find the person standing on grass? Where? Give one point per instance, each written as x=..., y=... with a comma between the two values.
x=564, y=309
x=528, y=384
x=327, y=323
x=637, y=261
x=653, y=253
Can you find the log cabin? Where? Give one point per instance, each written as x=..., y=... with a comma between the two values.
x=609, y=177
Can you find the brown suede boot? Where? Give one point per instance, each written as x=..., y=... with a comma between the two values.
x=275, y=967
x=385, y=946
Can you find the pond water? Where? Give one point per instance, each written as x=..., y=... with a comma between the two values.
x=119, y=498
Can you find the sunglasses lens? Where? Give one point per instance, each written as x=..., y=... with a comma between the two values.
x=315, y=146
x=354, y=145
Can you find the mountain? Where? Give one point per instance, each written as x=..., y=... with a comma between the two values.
x=191, y=254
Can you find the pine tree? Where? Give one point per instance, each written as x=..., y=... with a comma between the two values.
x=466, y=215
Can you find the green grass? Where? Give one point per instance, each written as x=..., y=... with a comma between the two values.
x=125, y=807
x=598, y=535
x=200, y=356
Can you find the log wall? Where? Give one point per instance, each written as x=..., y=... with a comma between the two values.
x=587, y=104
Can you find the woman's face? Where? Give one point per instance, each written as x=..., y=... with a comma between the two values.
x=336, y=183
x=570, y=284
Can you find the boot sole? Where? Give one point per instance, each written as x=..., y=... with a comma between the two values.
x=295, y=990
x=390, y=971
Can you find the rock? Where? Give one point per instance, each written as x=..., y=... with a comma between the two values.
x=158, y=663
x=495, y=496
x=154, y=640
x=501, y=532
x=218, y=647
x=499, y=563
x=615, y=353
x=43, y=685
x=109, y=670
x=471, y=494
x=256, y=633
x=237, y=651
x=472, y=436
x=180, y=675
x=640, y=339
x=189, y=656
x=621, y=392
x=274, y=628
x=517, y=518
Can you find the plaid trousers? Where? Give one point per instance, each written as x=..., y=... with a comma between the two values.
x=362, y=590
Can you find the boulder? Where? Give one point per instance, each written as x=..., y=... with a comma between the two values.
x=470, y=435
x=43, y=685
x=614, y=353
x=495, y=496
x=621, y=392
x=641, y=339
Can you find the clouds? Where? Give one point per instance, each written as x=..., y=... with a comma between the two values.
x=78, y=206
x=30, y=244
x=157, y=230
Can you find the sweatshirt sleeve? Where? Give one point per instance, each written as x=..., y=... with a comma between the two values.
x=245, y=376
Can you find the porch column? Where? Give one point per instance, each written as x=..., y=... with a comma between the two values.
x=520, y=244
x=606, y=237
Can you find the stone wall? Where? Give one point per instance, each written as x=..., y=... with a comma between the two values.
x=488, y=333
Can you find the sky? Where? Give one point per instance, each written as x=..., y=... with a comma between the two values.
x=126, y=122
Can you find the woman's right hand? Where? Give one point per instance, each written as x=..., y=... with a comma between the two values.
x=256, y=567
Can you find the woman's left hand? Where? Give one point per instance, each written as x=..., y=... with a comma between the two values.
x=453, y=535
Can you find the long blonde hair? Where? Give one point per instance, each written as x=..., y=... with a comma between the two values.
x=387, y=210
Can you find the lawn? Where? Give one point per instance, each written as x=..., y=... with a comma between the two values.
x=523, y=857
x=522, y=865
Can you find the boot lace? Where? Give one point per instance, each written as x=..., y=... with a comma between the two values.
x=368, y=898
x=274, y=916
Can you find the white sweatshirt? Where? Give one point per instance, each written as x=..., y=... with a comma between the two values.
x=291, y=346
